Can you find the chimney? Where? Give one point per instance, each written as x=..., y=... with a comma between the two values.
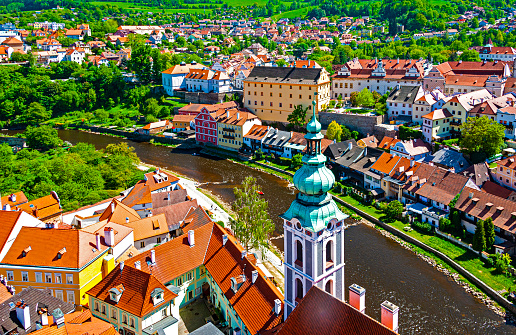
x=277, y=306
x=254, y=276
x=23, y=314
x=112, y=207
x=138, y=265
x=350, y=145
x=126, y=219
x=153, y=256
x=97, y=241
x=191, y=238
x=411, y=163
x=357, y=297
x=109, y=236
x=238, y=116
x=224, y=239
x=227, y=114
x=13, y=197
x=122, y=264
x=7, y=207
x=44, y=318
x=244, y=253
x=390, y=315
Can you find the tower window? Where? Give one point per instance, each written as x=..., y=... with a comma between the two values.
x=299, y=253
x=329, y=286
x=329, y=254
x=299, y=290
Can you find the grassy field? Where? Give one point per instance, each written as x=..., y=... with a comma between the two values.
x=301, y=12
x=126, y=5
x=467, y=259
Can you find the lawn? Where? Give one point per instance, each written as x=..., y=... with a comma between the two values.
x=467, y=259
x=301, y=12
x=127, y=5
x=359, y=110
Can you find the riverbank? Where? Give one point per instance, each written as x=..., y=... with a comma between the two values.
x=452, y=252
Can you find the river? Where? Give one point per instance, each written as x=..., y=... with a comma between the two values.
x=429, y=301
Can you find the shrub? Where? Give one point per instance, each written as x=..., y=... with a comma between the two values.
x=422, y=227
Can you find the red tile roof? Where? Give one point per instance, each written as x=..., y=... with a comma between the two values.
x=8, y=220
x=321, y=313
x=120, y=213
x=41, y=247
x=509, y=162
x=495, y=189
x=137, y=288
x=78, y=323
x=385, y=163
x=42, y=208
x=387, y=142
x=257, y=132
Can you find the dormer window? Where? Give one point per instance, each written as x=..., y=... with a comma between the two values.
x=157, y=296
x=116, y=293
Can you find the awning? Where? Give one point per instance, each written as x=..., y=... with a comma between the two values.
x=416, y=208
x=377, y=191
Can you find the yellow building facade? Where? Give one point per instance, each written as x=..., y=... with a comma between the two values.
x=272, y=93
x=232, y=126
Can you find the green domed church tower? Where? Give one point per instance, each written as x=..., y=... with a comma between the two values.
x=313, y=228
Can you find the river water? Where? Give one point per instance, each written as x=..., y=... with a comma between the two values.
x=430, y=302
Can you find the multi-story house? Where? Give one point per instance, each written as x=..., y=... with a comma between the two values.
x=67, y=261
x=415, y=149
x=425, y=104
x=207, y=81
x=382, y=167
x=272, y=93
x=393, y=183
x=156, y=127
x=460, y=105
x=401, y=101
x=491, y=53
x=206, y=126
x=74, y=55
x=254, y=137
x=209, y=261
x=174, y=77
x=489, y=108
x=47, y=208
x=505, y=172
x=507, y=117
x=436, y=125
x=232, y=126
x=478, y=205
x=134, y=302
x=436, y=77
x=377, y=75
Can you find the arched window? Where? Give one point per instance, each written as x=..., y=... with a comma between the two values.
x=329, y=286
x=299, y=253
x=299, y=289
x=329, y=254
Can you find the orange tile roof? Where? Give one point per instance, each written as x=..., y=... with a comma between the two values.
x=43, y=207
x=509, y=162
x=138, y=286
x=120, y=231
x=385, y=163
x=148, y=227
x=8, y=220
x=9, y=199
x=175, y=213
x=236, y=117
x=257, y=132
x=387, y=142
x=195, y=218
x=119, y=214
x=41, y=247
x=78, y=323
x=321, y=313
x=402, y=171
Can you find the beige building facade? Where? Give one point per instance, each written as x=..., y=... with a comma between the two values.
x=272, y=93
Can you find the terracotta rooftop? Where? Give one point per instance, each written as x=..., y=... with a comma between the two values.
x=78, y=323
x=138, y=286
x=148, y=227
x=495, y=189
x=195, y=218
x=175, y=213
x=257, y=132
x=163, y=199
x=118, y=212
x=13, y=199
x=321, y=313
x=509, y=162
x=42, y=208
x=385, y=163
x=40, y=247
x=387, y=142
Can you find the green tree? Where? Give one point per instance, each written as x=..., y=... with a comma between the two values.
x=479, y=239
x=34, y=114
x=482, y=135
x=297, y=161
x=470, y=56
x=44, y=137
x=252, y=225
x=365, y=98
x=297, y=118
x=122, y=149
x=474, y=23
x=444, y=224
x=502, y=262
x=490, y=233
x=334, y=131
x=394, y=209
x=151, y=107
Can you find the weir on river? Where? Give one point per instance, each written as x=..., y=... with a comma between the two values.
x=430, y=302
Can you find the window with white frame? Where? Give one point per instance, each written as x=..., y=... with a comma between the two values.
x=25, y=276
x=124, y=318
x=69, y=279
x=70, y=296
x=96, y=309
x=113, y=314
x=39, y=277
x=48, y=278
x=58, y=278
x=131, y=322
x=10, y=275
x=59, y=294
x=179, y=281
x=189, y=276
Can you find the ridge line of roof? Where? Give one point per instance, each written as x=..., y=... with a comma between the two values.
x=208, y=244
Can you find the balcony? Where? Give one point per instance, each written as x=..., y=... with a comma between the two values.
x=509, y=126
x=455, y=123
x=229, y=130
x=230, y=137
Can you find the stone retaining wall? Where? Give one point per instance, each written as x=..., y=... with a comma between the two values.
x=492, y=293
x=364, y=124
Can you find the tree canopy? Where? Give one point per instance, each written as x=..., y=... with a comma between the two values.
x=482, y=135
